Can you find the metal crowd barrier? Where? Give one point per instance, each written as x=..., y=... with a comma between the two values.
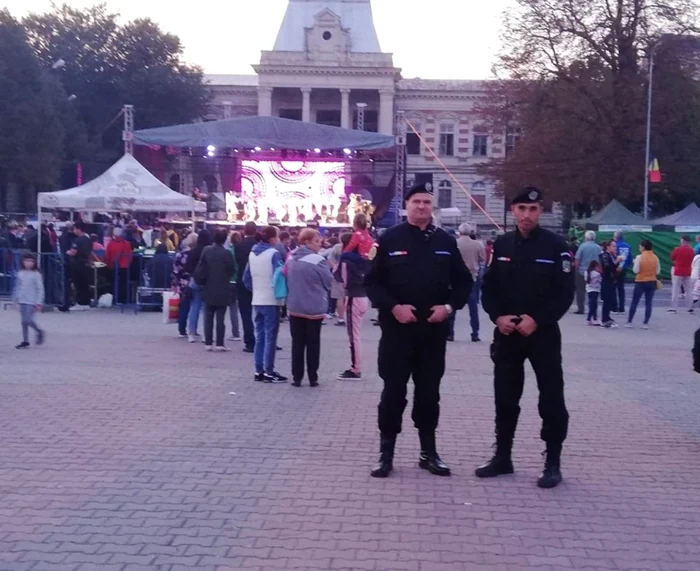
x=53, y=269
x=142, y=282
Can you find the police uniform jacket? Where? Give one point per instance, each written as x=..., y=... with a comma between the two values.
x=417, y=267
x=529, y=276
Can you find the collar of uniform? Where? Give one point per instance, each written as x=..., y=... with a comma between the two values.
x=533, y=234
x=429, y=230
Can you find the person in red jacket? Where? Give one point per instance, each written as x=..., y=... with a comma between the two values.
x=682, y=258
x=118, y=256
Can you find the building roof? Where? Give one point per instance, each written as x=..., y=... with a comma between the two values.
x=231, y=80
x=264, y=132
x=355, y=15
x=417, y=84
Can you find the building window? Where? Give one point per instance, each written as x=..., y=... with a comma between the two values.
x=412, y=144
x=481, y=145
x=294, y=114
x=371, y=120
x=479, y=196
x=445, y=194
x=513, y=135
x=175, y=182
x=330, y=117
x=447, y=139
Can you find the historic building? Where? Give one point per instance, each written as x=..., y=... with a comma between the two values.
x=327, y=63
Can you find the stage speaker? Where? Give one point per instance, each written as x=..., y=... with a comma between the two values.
x=421, y=178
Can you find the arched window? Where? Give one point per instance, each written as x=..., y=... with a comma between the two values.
x=445, y=194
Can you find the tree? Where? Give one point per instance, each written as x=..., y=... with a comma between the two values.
x=574, y=79
x=31, y=130
x=108, y=65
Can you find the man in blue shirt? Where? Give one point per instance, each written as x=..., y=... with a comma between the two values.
x=623, y=249
x=697, y=245
x=586, y=253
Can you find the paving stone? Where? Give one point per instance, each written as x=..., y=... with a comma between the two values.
x=127, y=449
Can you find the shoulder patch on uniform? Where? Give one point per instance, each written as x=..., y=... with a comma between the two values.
x=566, y=266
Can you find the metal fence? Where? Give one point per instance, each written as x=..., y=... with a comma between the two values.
x=53, y=270
x=135, y=281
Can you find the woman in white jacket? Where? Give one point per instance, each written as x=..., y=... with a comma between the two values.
x=695, y=279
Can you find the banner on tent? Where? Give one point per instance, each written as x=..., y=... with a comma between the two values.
x=625, y=228
x=687, y=229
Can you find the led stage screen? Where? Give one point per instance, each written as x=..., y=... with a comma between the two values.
x=290, y=192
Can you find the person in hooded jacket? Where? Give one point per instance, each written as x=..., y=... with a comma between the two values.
x=309, y=282
x=263, y=260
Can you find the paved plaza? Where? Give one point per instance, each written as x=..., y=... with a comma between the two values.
x=123, y=448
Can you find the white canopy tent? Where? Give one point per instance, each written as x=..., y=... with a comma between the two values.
x=125, y=186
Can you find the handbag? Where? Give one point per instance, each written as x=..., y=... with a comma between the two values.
x=171, y=307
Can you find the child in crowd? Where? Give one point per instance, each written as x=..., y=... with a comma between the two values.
x=593, y=279
x=28, y=294
x=361, y=241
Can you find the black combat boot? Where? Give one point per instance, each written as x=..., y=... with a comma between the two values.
x=551, y=475
x=429, y=458
x=387, y=443
x=499, y=465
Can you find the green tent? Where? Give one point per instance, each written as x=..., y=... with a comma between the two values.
x=615, y=217
x=687, y=221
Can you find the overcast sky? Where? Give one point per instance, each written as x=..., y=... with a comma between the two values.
x=439, y=39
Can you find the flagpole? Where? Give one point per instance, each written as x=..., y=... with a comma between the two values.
x=648, y=141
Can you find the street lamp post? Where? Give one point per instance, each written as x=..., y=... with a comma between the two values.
x=647, y=158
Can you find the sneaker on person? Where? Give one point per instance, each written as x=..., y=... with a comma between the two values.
x=610, y=324
x=22, y=345
x=40, y=337
x=209, y=348
x=340, y=323
x=221, y=349
x=273, y=378
x=671, y=310
x=234, y=338
x=182, y=335
x=629, y=325
x=349, y=375
x=192, y=338
x=595, y=323
x=645, y=326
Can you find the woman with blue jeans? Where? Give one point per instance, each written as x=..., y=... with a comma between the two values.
x=647, y=267
x=203, y=240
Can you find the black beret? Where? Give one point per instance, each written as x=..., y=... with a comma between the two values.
x=423, y=188
x=528, y=195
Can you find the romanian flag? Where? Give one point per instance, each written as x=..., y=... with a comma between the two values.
x=654, y=171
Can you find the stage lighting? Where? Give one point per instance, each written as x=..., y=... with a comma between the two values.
x=347, y=151
x=272, y=148
x=258, y=149
x=317, y=150
x=211, y=149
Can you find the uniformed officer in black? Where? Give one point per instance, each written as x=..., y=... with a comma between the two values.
x=528, y=287
x=418, y=278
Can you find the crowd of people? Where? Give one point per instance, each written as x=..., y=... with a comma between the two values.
x=602, y=271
